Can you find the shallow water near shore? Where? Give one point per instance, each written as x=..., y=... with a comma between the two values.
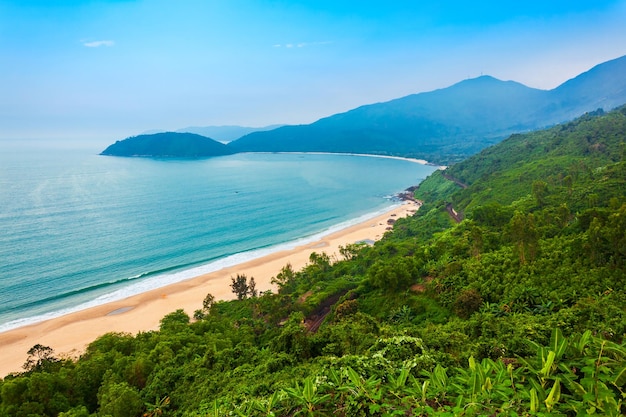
x=79, y=229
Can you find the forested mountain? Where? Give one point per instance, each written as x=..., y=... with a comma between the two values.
x=452, y=123
x=168, y=144
x=222, y=134
x=601, y=87
x=503, y=295
x=441, y=126
x=225, y=133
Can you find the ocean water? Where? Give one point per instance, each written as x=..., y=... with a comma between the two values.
x=78, y=229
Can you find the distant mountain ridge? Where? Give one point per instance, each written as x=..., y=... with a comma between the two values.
x=452, y=123
x=449, y=124
x=222, y=134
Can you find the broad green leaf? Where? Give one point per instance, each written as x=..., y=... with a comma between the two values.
x=620, y=378
x=573, y=386
x=472, y=363
x=440, y=377
x=617, y=350
x=274, y=399
x=354, y=377
x=334, y=377
x=475, y=384
x=424, y=390
x=547, y=365
x=539, y=390
x=554, y=396
x=534, y=400
x=487, y=386
x=583, y=341
x=309, y=390
x=293, y=392
x=400, y=381
x=558, y=344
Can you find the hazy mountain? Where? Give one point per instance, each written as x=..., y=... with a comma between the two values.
x=451, y=123
x=444, y=125
x=222, y=134
x=168, y=144
x=604, y=86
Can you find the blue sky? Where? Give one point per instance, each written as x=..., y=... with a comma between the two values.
x=82, y=69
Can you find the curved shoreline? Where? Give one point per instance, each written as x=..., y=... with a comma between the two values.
x=369, y=155
x=69, y=334
x=177, y=276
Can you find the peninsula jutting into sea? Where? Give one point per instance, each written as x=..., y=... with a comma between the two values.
x=442, y=126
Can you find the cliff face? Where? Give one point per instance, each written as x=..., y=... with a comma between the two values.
x=169, y=144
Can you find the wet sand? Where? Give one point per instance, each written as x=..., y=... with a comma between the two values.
x=70, y=334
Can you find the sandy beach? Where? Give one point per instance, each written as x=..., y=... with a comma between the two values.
x=69, y=335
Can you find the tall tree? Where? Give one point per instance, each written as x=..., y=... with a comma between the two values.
x=525, y=236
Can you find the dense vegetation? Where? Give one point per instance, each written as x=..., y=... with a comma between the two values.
x=518, y=309
x=222, y=134
x=168, y=144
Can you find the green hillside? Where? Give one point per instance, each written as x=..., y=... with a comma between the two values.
x=518, y=309
x=167, y=145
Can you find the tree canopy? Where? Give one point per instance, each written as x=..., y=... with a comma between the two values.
x=519, y=309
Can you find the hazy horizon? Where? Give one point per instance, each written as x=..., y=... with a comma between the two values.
x=105, y=70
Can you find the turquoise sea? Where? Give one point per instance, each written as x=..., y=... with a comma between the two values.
x=78, y=229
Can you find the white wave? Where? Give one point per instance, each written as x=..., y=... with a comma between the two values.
x=165, y=279
x=367, y=155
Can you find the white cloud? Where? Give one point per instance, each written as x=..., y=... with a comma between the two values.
x=301, y=44
x=96, y=44
x=305, y=44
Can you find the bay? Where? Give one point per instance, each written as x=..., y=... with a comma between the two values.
x=79, y=229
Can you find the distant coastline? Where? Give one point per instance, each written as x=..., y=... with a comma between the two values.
x=193, y=146
x=368, y=155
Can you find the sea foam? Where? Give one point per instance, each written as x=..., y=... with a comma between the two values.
x=151, y=282
x=84, y=230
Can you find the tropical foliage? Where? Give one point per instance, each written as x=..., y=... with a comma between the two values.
x=513, y=306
